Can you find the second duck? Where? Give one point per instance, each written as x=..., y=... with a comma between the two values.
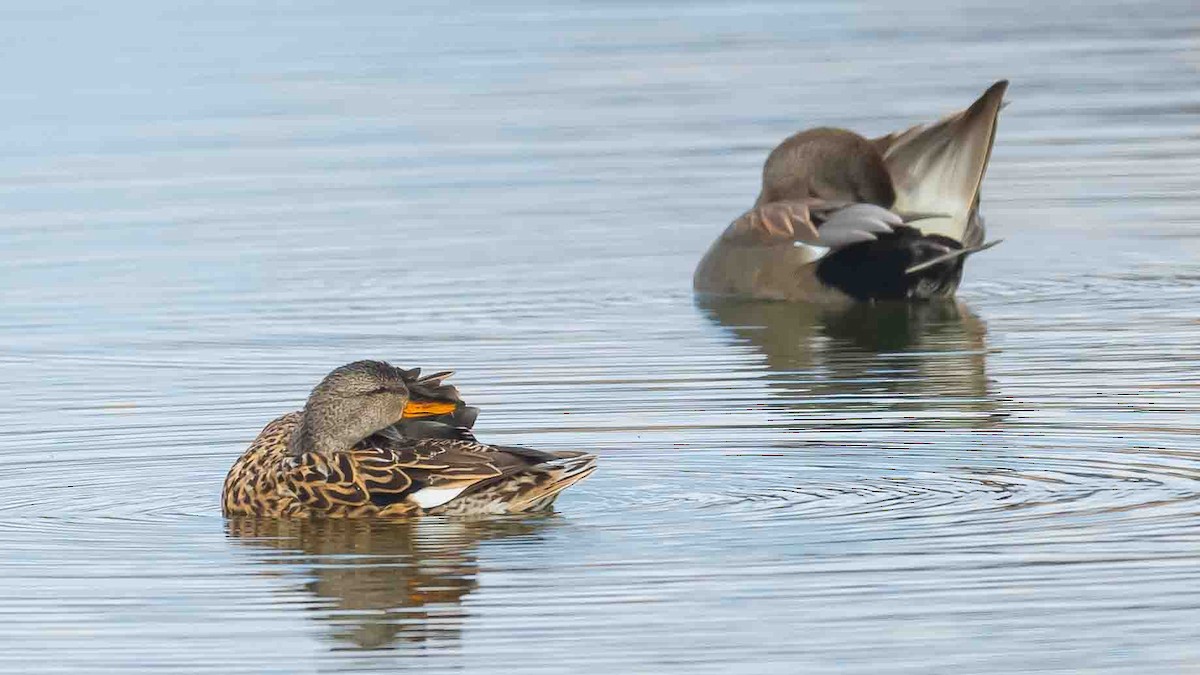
x=844, y=218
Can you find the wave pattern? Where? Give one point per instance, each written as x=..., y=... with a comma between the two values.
x=203, y=218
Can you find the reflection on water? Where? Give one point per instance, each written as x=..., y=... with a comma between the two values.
x=925, y=361
x=380, y=583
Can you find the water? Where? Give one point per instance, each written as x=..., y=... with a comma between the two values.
x=206, y=207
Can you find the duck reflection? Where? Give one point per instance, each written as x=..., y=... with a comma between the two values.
x=380, y=583
x=884, y=364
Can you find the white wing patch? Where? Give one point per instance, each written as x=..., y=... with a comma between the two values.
x=429, y=497
x=812, y=252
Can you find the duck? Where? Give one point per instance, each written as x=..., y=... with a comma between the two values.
x=347, y=455
x=842, y=218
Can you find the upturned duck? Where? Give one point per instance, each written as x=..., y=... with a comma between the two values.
x=844, y=218
x=346, y=454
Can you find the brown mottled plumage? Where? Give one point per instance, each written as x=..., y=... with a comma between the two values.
x=346, y=455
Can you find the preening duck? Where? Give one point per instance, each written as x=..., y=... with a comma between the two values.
x=844, y=218
x=375, y=440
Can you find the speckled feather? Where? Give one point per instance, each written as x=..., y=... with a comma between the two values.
x=381, y=475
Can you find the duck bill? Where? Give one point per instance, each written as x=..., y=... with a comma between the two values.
x=419, y=409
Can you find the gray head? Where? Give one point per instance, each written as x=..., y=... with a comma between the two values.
x=351, y=403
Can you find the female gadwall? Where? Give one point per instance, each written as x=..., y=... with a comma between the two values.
x=347, y=454
x=841, y=217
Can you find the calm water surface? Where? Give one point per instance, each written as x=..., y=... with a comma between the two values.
x=205, y=207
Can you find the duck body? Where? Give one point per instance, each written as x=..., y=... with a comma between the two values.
x=390, y=475
x=290, y=471
x=843, y=218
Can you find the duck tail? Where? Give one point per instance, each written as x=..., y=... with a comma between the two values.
x=567, y=469
x=937, y=168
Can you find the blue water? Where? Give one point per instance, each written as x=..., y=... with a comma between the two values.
x=205, y=207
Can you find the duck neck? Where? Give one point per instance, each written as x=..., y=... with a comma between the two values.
x=327, y=427
x=310, y=436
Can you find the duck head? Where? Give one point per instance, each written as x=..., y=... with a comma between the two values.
x=355, y=401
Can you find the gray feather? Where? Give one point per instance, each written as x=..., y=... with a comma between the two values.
x=856, y=223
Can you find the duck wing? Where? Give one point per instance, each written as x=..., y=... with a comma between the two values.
x=938, y=168
x=392, y=475
x=812, y=221
x=392, y=478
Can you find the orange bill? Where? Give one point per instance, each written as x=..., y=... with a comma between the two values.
x=416, y=409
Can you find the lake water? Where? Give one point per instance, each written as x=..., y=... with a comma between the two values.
x=205, y=207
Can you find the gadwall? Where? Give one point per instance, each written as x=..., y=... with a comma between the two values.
x=344, y=456
x=844, y=218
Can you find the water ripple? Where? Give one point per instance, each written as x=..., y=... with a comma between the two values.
x=221, y=203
